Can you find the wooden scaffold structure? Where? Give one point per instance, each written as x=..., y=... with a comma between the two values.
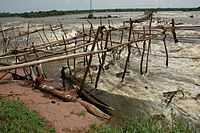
x=21, y=49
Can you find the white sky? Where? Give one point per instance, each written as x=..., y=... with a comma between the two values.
x=35, y=5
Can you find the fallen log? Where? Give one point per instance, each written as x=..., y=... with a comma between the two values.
x=86, y=94
x=89, y=107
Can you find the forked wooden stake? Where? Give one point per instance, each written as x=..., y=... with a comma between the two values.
x=90, y=61
x=103, y=61
x=129, y=49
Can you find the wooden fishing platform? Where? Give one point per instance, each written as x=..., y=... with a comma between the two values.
x=23, y=47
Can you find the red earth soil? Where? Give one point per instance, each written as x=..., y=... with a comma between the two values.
x=66, y=117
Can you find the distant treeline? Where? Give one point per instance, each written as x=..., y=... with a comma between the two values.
x=56, y=13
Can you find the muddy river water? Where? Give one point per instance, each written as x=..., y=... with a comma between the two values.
x=142, y=93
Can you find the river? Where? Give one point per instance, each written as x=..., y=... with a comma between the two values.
x=183, y=72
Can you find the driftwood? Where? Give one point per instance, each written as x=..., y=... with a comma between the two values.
x=170, y=95
x=89, y=107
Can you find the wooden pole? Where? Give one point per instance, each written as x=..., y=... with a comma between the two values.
x=121, y=40
x=90, y=61
x=129, y=50
x=28, y=33
x=4, y=38
x=53, y=31
x=84, y=49
x=46, y=36
x=75, y=53
x=34, y=50
x=68, y=64
x=173, y=31
x=136, y=44
x=98, y=53
x=32, y=32
x=24, y=69
x=71, y=56
x=38, y=33
x=142, y=57
x=103, y=61
x=15, y=68
x=149, y=45
x=165, y=47
x=4, y=75
x=62, y=28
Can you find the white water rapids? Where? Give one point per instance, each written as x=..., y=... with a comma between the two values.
x=183, y=72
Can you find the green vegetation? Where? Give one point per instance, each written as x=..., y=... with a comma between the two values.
x=56, y=13
x=155, y=124
x=91, y=16
x=17, y=118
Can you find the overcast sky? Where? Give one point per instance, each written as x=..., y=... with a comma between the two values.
x=36, y=5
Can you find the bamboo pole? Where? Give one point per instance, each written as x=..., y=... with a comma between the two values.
x=58, y=53
x=71, y=56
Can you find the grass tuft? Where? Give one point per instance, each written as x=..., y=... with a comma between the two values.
x=154, y=124
x=17, y=118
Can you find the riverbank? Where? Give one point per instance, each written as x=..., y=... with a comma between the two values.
x=70, y=117
x=64, y=116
